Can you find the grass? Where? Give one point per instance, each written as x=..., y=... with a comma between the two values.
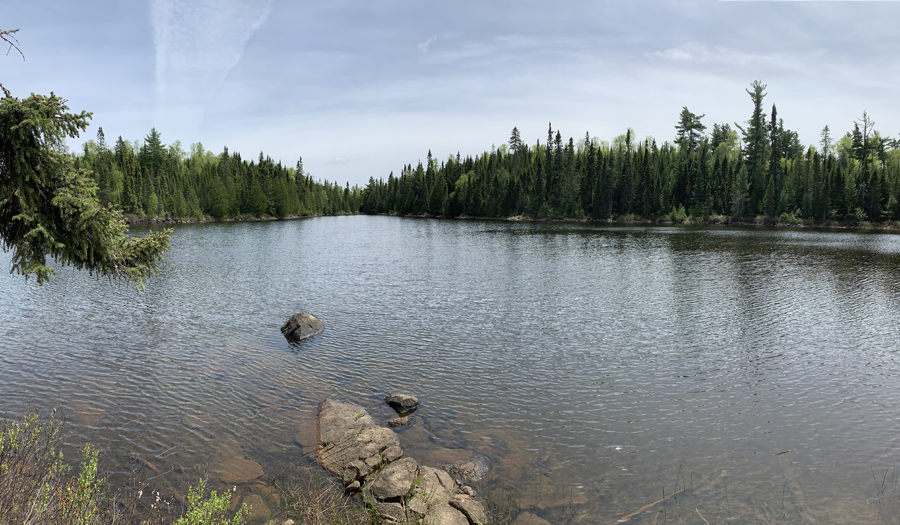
x=313, y=498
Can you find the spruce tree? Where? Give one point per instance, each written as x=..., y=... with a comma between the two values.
x=50, y=209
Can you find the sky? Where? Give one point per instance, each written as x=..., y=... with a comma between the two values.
x=361, y=88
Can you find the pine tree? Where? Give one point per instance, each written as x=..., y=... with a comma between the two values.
x=689, y=128
x=755, y=139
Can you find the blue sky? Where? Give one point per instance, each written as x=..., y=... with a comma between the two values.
x=360, y=88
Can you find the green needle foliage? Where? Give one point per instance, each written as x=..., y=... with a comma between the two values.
x=50, y=208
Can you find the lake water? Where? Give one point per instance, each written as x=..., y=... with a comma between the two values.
x=752, y=372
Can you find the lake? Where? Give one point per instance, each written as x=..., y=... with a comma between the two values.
x=751, y=372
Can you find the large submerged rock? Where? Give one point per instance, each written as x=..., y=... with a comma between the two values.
x=367, y=456
x=473, y=469
x=302, y=325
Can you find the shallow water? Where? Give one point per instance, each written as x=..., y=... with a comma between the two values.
x=599, y=367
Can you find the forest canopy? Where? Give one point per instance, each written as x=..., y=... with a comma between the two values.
x=757, y=169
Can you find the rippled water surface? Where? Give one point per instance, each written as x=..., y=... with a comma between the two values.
x=751, y=372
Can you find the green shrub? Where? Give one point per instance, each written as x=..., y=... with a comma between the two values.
x=34, y=487
x=210, y=511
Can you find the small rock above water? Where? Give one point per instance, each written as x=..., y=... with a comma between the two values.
x=402, y=403
x=302, y=325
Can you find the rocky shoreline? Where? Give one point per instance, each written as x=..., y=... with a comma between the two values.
x=368, y=459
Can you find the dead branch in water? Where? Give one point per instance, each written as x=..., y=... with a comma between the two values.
x=649, y=506
x=152, y=468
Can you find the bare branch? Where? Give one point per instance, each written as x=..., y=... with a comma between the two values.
x=9, y=36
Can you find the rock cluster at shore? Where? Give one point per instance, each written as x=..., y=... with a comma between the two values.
x=368, y=459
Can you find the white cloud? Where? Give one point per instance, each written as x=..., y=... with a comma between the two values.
x=197, y=43
x=338, y=160
x=701, y=53
x=423, y=46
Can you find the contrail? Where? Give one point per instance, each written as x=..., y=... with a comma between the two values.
x=197, y=43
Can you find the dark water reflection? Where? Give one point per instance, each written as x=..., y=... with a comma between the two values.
x=599, y=366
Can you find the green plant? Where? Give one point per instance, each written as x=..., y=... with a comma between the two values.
x=210, y=511
x=33, y=484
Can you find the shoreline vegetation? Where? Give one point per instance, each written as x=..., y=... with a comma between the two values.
x=716, y=220
x=39, y=486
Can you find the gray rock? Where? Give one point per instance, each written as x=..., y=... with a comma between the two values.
x=302, y=325
x=436, y=485
x=468, y=491
x=416, y=508
x=336, y=419
x=444, y=514
x=395, y=480
x=393, y=453
x=389, y=511
x=527, y=518
x=402, y=403
x=402, y=421
x=471, y=509
x=349, y=444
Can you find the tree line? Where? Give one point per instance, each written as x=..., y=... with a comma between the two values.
x=751, y=171
x=148, y=179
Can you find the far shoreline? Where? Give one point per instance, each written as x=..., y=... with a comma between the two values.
x=763, y=222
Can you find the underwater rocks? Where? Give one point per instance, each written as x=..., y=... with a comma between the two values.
x=402, y=403
x=301, y=326
x=474, y=469
x=367, y=457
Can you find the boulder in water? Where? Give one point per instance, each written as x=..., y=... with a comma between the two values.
x=302, y=325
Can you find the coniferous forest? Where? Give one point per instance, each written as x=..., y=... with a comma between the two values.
x=757, y=171
x=148, y=180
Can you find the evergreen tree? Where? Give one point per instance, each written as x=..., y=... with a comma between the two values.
x=689, y=129
x=50, y=209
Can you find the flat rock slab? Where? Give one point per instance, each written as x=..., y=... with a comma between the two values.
x=402, y=403
x=235, y=470
x=527, y=518
x=301, y=326
x=444, y=514
x=349, y=443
